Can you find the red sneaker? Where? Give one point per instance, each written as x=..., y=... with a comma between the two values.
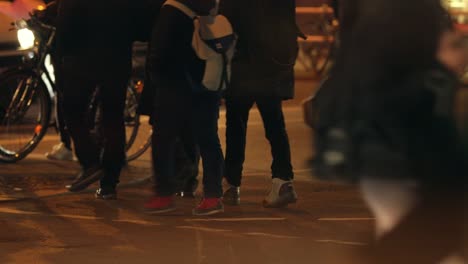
x=209, y=206
x=160, y=205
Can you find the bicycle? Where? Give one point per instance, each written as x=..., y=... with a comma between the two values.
x=26, y=98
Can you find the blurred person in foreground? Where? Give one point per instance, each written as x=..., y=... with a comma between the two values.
x=386, y=121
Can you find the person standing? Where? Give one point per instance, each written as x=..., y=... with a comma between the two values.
x=94, y=39
x=187, y=154
x=183, y=106
x=262, y=74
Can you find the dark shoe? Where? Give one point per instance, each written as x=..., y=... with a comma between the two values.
x=282, y=193
x=209, y=206
x=160, y=205
x=85, y=179
x=232, y=196
x=106, y=193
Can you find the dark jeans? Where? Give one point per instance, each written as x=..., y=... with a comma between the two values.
x=190, y=118
x=187, y=161
x=79, y=84
x=62, y=128
x=61, y=124
x=237, y=116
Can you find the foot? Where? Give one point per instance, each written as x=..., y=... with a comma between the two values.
x=85, y=179
x=232, y=196
x=160, y=205
x=106, y=193
x=209, y=206
x=60, y=152
x=282, y=193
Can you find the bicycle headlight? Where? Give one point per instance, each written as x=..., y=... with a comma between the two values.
x=26, y=38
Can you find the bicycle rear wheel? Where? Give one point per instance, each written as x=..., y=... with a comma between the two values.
x=138, y=131
x=25, y=114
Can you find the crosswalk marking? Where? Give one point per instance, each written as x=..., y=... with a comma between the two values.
x=345, y=219
x=339, y=242
x=252, y=219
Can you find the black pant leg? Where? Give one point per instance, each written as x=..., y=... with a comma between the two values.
x=171, y=116
x=205, y=117
x=112, y=96
x=188, y=158
x=237, y=116
x=78, y=88
x=275, y=130
x=65, y=137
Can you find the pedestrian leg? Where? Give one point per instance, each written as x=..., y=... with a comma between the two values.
x=237, y=116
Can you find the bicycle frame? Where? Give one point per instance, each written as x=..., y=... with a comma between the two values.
x=35, y=61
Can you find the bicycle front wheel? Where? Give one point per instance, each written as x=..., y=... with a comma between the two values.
x=25, y=108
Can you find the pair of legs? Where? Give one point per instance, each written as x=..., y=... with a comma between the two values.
x=79, y=84
x=237, y=116
x=191, y=118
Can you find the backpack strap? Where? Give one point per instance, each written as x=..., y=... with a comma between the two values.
x=185, y=9
x=224, y=74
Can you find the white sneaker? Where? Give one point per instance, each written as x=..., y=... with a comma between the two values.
x=282, y=193
x=60, y=152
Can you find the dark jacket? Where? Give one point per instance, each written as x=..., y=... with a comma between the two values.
x=394, y=101
x=147, y=16
x=98, y=32
x=171, y=58
x=412, y=131
x=253, y=77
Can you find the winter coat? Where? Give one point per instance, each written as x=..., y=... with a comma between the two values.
x=411, y=131
x=99, y=33
x=250, y=77
x=171, y=58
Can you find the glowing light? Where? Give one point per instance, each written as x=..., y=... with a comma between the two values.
x=38, y=129
x=26, y=38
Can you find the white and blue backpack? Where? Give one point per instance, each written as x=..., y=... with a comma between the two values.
x=214, y=42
